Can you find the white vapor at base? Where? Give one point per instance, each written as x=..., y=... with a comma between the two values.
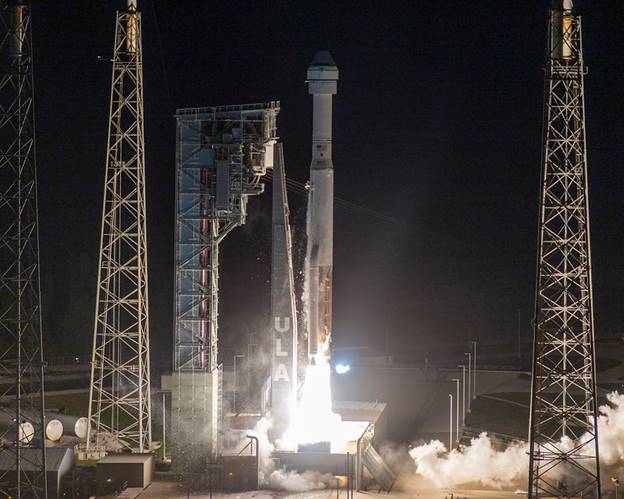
x=291, y=481
x=478, y=462
x=611, y=431
x=481, y=463
x=281, y=479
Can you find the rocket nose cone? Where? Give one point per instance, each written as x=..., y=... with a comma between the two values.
x=323, y=68
x=322, y=58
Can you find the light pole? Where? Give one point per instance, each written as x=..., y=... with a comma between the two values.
x=450, y=422
x=463, y=368
x=519, y=333
x=474, y=369
x=616, y=484
x=236, y=380
x=469, y=366
x=250, y=346
x=164, y=428
x=457, y=409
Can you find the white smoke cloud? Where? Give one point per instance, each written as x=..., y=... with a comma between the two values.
x=265, y=446
x=611, y=430
x=481, y=463
x=397, y=457
x=281, y=479
x=478, y=462
x=291, y=481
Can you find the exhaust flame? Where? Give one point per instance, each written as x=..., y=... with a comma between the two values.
x=313, y=419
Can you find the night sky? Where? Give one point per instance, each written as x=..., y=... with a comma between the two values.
x=437, y=130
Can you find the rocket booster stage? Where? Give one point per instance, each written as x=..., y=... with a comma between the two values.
x=322, y=85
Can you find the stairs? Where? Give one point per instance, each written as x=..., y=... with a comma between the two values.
x=378, y=468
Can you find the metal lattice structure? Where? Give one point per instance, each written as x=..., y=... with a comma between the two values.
x=119, y=397
x=222, y=154
x=221, y=161
x=563, y=427
x=21, y=348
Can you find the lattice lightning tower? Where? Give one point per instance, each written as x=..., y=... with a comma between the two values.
x=119, y=398
x=21, y=357
x=563, y=430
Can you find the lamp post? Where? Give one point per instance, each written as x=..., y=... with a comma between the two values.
x=463, y=368
x=450, y=422
x=616, y=484
x=250, y=348
x=474, y=369
x=236, y=380
x=519, y=334
x=469, y=366
x=164, y=429
x=457, y=409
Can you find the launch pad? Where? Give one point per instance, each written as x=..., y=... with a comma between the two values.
x=226, y=155
x=363, y=426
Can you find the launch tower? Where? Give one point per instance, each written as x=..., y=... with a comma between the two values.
x=563, y=426
x=222, y=154
x=119, y=396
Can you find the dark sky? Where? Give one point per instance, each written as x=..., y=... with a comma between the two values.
x=437, y=129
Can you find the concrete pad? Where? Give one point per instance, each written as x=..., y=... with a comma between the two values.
x=161, y=490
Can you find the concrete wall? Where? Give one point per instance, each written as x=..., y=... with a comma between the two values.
x=418, y=405
x=240, y=473
x=318, y=461
x=111, y=475
x=196, y=415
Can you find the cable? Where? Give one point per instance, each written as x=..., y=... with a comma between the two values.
x=300, y=188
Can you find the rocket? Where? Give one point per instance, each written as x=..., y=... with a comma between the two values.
x=322, y=85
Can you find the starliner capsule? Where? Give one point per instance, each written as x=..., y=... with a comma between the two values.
x=322, y=85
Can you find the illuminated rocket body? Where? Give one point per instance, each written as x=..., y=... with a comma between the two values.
x=322, y=85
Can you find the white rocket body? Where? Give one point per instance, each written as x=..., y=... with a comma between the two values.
x=322, y=85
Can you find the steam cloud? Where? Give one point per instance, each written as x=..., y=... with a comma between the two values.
x=481, y=463
x=478, y=462
x=280, y=479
